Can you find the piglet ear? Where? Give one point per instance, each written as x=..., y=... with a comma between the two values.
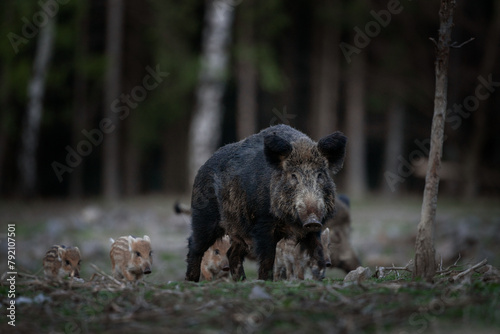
x=333, y=148
x=130, y=240
x=276, y=148
x=60, y=252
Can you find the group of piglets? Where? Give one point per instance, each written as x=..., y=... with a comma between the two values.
x=270, y=197
x=291, y=261
x=131, y=259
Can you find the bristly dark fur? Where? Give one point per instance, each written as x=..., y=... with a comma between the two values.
x=261, y=190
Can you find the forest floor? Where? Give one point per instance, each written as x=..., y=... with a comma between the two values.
x=383, y=235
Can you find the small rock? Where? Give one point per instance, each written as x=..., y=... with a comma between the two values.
x=358, y=275
x=258, y=293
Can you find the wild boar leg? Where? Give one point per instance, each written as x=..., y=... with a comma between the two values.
x=236, y=254
x=265, y=250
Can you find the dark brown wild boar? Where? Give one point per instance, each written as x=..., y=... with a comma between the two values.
x=272, y=185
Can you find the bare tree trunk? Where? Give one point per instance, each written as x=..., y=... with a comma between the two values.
x=205, y=128
x=76, y=189
x=425, y=266
x=478, y=137
x=31, y=127
x=174, y=153
x=325, y=73
x=110, y=152
x=131, y=167
x=393, y=141
x=355, y=128
x=246, y=117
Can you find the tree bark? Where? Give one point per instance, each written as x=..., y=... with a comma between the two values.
x=325, y=71
x=355, y=128
x=205, y=127
x=33, y=118
x=425, y=266
x=393, y=141
x=110, y=152
x=79, y=122
x=246, y=116
x=174, y=166
x=477, y=139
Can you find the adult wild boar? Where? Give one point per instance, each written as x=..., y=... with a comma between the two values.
x=271, y=185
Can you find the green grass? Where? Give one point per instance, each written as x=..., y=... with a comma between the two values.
x=165, y=303
x=378, y=305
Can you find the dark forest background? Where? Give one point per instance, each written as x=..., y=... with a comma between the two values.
x=285, y=64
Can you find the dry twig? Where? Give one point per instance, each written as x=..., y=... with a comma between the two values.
x=465, y=272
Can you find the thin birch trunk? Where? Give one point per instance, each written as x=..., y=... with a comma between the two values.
x=31, y=127
x=205, y=128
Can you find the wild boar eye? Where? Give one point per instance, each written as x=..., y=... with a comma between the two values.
x=67, y=262
x=80, y=262
x=217, y=252
x=295, y=179
x=138, y=254
x=150, y=253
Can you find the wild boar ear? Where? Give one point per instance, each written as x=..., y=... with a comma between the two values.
x=146, y=238
x=276, y=148
x=333, y=148
x=77, y=249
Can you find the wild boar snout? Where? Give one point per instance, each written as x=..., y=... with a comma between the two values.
x=147, y=270
x=310, y=209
